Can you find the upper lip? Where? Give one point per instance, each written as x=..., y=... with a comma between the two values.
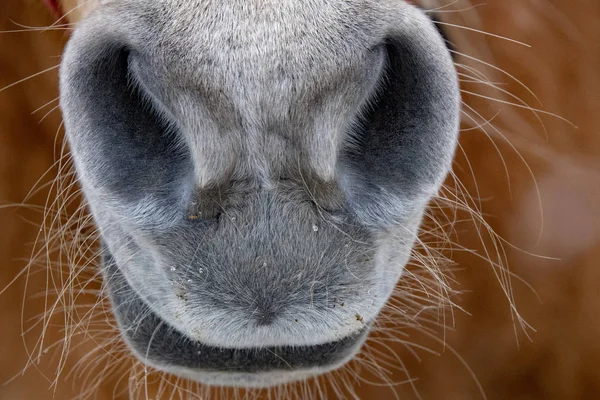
x=157, y=343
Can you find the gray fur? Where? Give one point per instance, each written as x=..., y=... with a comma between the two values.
x=258, y=170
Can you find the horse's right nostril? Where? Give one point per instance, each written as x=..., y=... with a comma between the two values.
x=132, y=151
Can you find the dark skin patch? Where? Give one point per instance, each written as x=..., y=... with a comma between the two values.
x=209, y=203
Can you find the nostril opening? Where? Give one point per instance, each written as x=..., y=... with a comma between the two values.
x=126, y=148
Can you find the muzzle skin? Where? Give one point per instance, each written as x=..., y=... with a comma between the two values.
x=258, y=173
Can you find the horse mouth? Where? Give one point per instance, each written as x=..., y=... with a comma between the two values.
x=154, y=342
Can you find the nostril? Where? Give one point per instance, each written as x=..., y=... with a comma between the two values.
x=126, y=150
x=405, y=140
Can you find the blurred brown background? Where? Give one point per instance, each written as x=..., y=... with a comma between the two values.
x=534, y=177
